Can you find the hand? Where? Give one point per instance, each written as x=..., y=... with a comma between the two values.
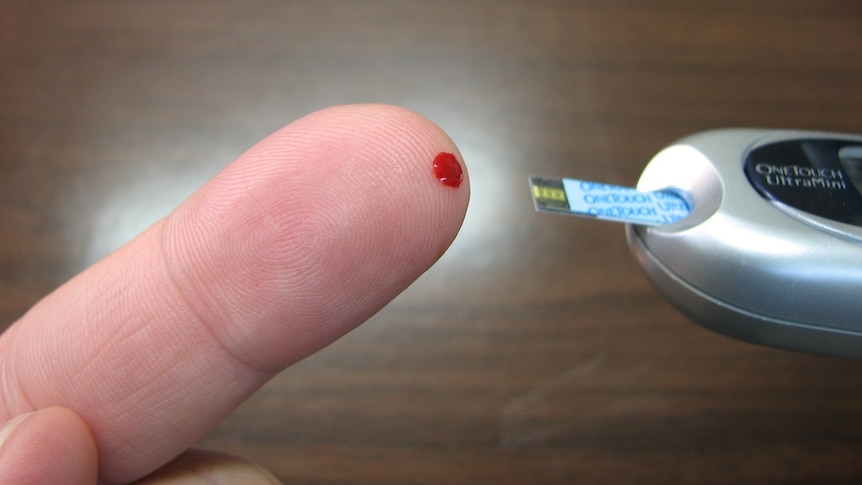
x=298, y=241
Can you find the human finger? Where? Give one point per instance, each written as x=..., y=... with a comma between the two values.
x=200, y=467
x=299, y=240
x=51, y=445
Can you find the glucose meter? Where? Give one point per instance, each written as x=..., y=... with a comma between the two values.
x=756, y=234
x=771, y=251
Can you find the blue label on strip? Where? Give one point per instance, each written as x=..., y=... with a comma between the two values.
x=624, y=204
x=608, y=202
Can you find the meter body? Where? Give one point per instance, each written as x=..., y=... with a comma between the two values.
x=771, y=252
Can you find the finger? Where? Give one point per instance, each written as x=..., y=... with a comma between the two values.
x=52, y=445
x=198, y=467
x=299, y=240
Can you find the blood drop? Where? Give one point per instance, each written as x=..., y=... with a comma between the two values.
x=448, y=170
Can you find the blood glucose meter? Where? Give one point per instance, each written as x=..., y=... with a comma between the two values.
x=771, y=248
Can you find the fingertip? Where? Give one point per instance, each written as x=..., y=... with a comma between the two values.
x=392, y=150
x=340, y=211
x=396, y=146
x=369, y=148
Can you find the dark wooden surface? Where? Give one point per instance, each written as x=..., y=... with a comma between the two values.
x=535, y=351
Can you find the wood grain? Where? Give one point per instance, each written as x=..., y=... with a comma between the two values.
x=535, y=351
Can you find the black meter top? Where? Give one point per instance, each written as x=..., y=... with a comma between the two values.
x=819, y=176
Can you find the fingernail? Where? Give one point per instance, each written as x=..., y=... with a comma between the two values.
x=9, y=428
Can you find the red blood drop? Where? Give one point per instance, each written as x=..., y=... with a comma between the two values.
x=448, y=170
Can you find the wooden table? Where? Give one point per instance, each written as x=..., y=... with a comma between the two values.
x=535, y=351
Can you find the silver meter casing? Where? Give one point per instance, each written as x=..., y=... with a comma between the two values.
x=756, y=259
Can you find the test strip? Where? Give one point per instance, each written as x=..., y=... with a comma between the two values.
x=607, y=202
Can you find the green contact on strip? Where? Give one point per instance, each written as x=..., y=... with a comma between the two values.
x=549, y=194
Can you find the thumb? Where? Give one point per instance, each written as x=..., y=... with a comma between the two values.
x=200, y=467
x=52, y=445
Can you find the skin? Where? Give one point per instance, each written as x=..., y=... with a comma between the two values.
x=113, y=376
